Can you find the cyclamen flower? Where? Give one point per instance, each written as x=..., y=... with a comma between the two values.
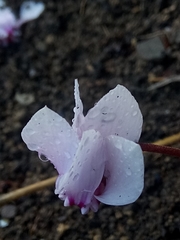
x=9, y=25
x=97, y=159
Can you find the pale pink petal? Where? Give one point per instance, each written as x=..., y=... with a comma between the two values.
x=52, y=137
x=7, y=19
x=78, y=110
x=124, y=172
x=2, y=3
x=117, y=113
x=30, y=10
x=78, y=185
x=3, y=34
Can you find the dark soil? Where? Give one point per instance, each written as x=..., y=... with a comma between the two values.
x=91, y=40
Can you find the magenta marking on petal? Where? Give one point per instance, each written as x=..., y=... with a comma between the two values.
x=71, y=202
x=101, y=187
x=81, y=205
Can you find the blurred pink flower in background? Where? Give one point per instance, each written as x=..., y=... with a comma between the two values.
x=97, y=159
x=10, y=25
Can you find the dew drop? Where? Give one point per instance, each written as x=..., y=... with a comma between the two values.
x=43, y=157
x=120, y=122
x=30, y=131
x=67, y=154
x=61, y=190
x=57, y=141
x=86, y=141
x=134, y=113
x=93, y=113
x=76, y=177
x=128, y=171
x=108, y=117
x=68, y=133
x=90, y=126
x=104, y=110
x=106, y=99
x=46, y=134
x=71, y=173
x=95, y=136
x=118, y=145
x=79, y=164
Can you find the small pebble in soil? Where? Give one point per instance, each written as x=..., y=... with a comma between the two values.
x=4, y=223
x=8, y=211
x=24, y=98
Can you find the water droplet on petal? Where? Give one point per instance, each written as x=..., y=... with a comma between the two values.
x=30, y=131
x=43, y=157
x=134, y=113
x=120, y=122
x=67, y=154
x=86, y=141
x=106, y=99
x=93, y=113
x=57, y=141
x=128, y=171
x=71, y=173
x=76, y=177
x=46, y=134
x=109, y=117
x=68, y=133
x=104, y=110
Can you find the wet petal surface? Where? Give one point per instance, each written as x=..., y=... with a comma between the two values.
x=117, y=113
x=78, y=185
x=124, y=172
x=30, y=10
x=52, y=137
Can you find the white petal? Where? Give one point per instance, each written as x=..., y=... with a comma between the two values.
x=85, y=175
x=78, y=110
x=124, y=172
x=30, y=10
x=117, y=113
x=2, y=3
x=3, y=34
x=7, y=19
x=50, y=135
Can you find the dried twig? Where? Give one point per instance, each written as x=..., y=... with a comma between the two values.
x=21, y=192
x=164, y=82
x=169, y=140
x=8, y=197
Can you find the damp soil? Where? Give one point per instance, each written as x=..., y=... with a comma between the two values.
x=94, y=41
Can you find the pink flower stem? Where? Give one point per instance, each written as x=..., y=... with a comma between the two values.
x=149, y=147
